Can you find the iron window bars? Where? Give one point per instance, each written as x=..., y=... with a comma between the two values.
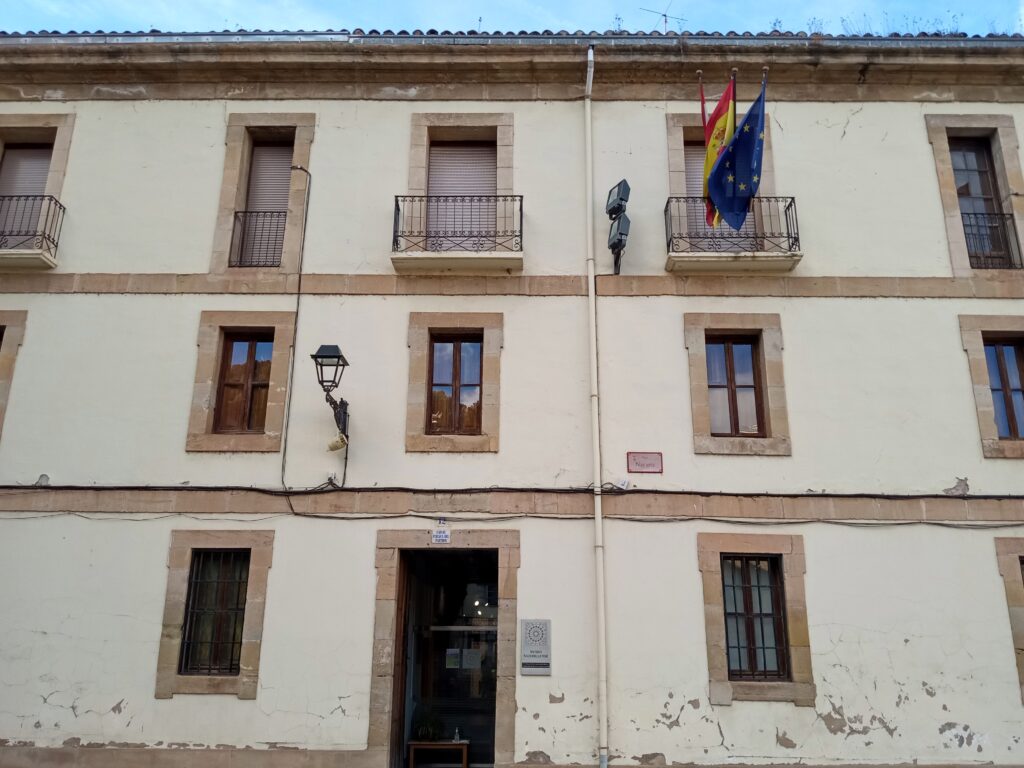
x=771, y=226
x=30, y=222
x=257, y=239
x=211, y=634
x=755, y=618
x=458, y=223
x=992, y=240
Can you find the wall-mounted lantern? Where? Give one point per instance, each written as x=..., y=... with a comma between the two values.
x=330, y=365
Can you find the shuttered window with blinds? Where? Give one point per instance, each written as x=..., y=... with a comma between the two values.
x=23, y=172
x=462, y=184
x=259, y=230
x=693, y=159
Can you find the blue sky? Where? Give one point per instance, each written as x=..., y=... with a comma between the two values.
x=856, y=16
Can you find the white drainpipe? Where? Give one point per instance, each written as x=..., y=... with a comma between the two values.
x=595, y=426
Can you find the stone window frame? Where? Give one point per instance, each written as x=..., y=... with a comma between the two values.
x=800, y=689
x=459, y=126
x=179, y=562
x=1001, y=131
x=1009, y=555
x=242, y=128
x=973, y=331
x=49, y=128
x=389, y=545
x=210, y=343
x=12, y=325
x=421, y=325
x=696, y=328
x=686, y=126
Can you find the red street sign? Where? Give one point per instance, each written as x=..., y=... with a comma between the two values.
x=644, y=462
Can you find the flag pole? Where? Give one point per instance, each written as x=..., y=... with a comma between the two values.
x=703, y=108
x=733, y=79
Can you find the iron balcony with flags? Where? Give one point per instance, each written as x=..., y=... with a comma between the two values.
x=736, y=175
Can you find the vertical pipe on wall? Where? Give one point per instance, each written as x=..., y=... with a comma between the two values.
x=595, y=424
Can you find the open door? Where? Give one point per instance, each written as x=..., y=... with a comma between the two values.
x=446, y=667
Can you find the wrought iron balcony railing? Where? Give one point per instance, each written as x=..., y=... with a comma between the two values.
x=771, y=226
x=992, y=241
x=257, y=239
x=30, y=222
x=458, y=223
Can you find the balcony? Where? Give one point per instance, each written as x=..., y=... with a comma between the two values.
x=768, y=242
x=257, y=239
x=458, y=233
x=992, y=241
x=29, y=231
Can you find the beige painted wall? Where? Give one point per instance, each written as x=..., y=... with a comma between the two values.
x=143, y=179
x=79, y=645
x=909, y=633
x=121, y=415
x=874, y=389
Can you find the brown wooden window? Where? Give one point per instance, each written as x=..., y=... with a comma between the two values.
x=244, y=382
x=734, y=386
x=1005, y=372
x=211, y=635
x=987, y=230
x=755, y=617
x=455, y=380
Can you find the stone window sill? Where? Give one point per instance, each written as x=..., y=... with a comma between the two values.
x=743, y=446
x=725, y=693
x=1002, y=449
x=214, y=443
x=451, y=443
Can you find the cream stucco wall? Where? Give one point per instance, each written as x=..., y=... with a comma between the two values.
x=117, y=411
x=873, y=386
x=78, y=644
x=909, y=635
x=144, y=177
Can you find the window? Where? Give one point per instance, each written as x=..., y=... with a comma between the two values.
x=755, y=617
x=211, y=635
x=33, y=158
x=462, y=181
x=980, y=185
x=737, y=388
x=734, y=391
x=12, y=331
x=455, y=384
x=995, y=353
x=1010, y=558
x=212, y=629
x=1004, y=360
x=244, y=382
x=241, y=381
x=253, y=228
x=985, y=226
x=258, y=237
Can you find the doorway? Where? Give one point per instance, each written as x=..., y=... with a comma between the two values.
x=446, y=656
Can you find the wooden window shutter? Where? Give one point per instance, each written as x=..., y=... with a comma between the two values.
x=23, y=170
x=270, y=177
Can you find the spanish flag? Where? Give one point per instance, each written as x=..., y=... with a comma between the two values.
x=719, y=129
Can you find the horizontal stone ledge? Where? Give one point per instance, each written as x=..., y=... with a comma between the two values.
x=1001, y=285
x=480, y=504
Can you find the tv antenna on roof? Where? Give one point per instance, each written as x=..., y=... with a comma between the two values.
x=664, y=15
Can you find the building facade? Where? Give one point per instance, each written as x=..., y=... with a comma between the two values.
x=755, y=499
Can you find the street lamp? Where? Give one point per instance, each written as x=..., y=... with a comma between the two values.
x=330, y=365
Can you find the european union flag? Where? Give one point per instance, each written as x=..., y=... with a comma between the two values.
x=736, y=175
